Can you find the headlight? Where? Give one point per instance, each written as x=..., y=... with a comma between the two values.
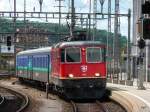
x=71, y=75
x=97, y=74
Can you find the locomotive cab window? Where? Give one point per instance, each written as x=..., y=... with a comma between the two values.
x=62, y=55
x=73, y=54
x=94, y=54
x=104, y=54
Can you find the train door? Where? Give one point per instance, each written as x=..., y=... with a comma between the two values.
x=44, y=77
x=30, y=67
x=17, y=64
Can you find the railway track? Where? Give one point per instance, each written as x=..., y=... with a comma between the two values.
x=96, y=106
x=2, y=100
x=12, y=101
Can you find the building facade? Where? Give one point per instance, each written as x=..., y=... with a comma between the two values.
x=29, y=38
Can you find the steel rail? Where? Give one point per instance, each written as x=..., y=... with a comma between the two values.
x=19, y=94
x=2, y=100
x=100, y=105
x=74, y=106
x=104, y=109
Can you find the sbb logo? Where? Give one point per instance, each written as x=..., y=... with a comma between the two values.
x=84, y=68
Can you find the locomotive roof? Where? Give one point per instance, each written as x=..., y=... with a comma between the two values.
x=40, y=50
x=62, y=44
x=78, y=43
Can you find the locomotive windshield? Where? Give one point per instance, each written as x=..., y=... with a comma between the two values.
x=73, y=54
x=94, y=54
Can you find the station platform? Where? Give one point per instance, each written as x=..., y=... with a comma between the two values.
x=134, y=94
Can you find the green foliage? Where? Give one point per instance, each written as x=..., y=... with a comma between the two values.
x=6, y=26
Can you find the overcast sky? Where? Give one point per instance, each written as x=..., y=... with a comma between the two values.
x=80, y=5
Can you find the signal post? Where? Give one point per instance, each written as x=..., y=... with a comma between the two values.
x=144, y=25
x=141, y=45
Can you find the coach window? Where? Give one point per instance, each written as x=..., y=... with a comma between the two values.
x=94, y=55
x=45, y=62
x=41, y=61
x=73, y=54
x=35, y=65
x=38, y=62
